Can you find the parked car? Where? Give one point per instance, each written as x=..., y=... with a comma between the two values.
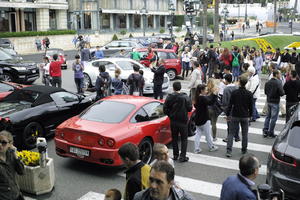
x=97, y=133
x=91, y=72
x=15, y=70
x=283, y=168
x=12, y=52
x=210, y=38
x=7, y=87
x=52, y=51
x=34, y=111
x=142, y=40
x=6, y=43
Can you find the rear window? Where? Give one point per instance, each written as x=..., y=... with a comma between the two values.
x=6, y=88
x=294, y=136
x=108, y=112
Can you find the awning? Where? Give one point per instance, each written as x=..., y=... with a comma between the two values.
x=61, y=6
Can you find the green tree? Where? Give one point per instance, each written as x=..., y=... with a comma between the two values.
x=216, y=22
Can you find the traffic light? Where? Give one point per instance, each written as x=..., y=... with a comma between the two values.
x=188, y=6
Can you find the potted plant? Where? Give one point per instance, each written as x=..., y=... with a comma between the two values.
x=36, y=179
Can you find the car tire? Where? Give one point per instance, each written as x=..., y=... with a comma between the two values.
x=192, y=125
x=7, y=77
x=172, y=74
x=146, y=150
x=31, y=132
x=87, y=83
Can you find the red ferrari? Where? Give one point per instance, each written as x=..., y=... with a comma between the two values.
x=7, y=87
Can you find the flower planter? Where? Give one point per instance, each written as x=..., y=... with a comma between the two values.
x=37, y=180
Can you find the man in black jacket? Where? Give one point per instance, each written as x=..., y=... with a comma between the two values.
x=238, y=112
x=158, y=79
x=177, y=106
x=292, y=90
x=273, y=90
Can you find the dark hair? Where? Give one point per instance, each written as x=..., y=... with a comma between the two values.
x=275, y=72
x=97, y=46
x=294, y=48
x=130, y=151
x=235, y=48
x=211, y=46
x=243, y=80
x=199, y=88
x=46, y=58
x=196, y=63
x=227, y=67
x=117, y=194
x=141, y=72
x=55, y=56
x=77, y=56
x=228, y=78
x=247, y=164
x=102, y=68
x=176, y=86
x=136, y=68
x=165, y=167
x=246, y=66
x=293, y=73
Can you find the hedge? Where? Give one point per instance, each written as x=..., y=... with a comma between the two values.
x=36, y=33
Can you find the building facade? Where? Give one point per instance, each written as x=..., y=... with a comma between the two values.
x=33, y=15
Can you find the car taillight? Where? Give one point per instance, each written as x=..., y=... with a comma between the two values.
x=110, y=142
x=101, y=142
x=5, y=119
x=280, y=157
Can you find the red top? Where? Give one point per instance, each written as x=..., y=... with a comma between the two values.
x=227, y=60
x=55, y=67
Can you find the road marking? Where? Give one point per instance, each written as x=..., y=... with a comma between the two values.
x=251, y=146
x=225, y=163
x=262, y=119
x=92, y=196
x=257, y=131
x=28, y=198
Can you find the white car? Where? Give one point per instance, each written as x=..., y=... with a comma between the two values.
x=91, y=71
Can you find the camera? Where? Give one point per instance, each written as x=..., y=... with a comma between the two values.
x=265, y=192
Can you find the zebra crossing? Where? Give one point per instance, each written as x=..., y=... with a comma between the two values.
x=203, y=175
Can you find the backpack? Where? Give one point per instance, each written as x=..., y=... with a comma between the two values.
x=235, y=61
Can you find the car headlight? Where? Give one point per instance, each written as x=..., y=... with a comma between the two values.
x=20, y=68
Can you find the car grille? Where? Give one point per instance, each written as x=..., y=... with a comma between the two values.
x=32, y=66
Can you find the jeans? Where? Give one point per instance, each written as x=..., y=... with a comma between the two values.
x=186, y=68
x=271, y=118
x=235, y=73
x=204, y=71
x=157, y=90
x=79, y=84
x=56, y=81
x=234, y=127
x=213, y=118
x=206, y=130
x=183, y=130
x=236, y=134
x=255, y=114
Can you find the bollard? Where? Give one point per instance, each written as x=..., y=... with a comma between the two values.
x=42, y=148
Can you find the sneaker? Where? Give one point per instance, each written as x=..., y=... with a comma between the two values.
x=228, y=154
x=215, y=139
x=263, y=114
x=244, y=151
x=183, y=159
x=175, y=158
x=197, y=151
x=225, y=140
x=214, y=148
x=272, y=136
x=237, y=139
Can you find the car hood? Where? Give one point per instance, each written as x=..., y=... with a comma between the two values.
x=8, y=108
x=17, y=62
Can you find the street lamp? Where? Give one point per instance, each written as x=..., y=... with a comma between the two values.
x=225, y=12
x=191, y=8
x=144, y=14
x=170, y=23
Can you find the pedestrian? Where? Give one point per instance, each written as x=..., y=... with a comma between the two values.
x=87, y=40
x=122, y=53
x=113, y=194
x=47, y=43
x=258, y=62
x=103, y=83
x=142, y=82
x=221, y=35
x=273, y=91
x=74, y=41
x=10, y=165
x=257, y=26
x=162, y=186
x=232, y=35
x=85, y=55
x=158, y=79
x=168, y=44
x=135, y=55
x=175, y=47
x=161, y=152
x=294, y=58
x=253, y=85
x=196, y=79
x=229, y=88
x=276, y=58
x=186, y=58
x=236, y=63
x=195, y=53
x=212, y=61
x=38, y=43
x=78, y=74
x=238, y=112
x=177, y=106
x=285, y=59
x=55, y=70
x=45, y=71
x=238, y=187
x=98, y=53
x=202, y=121
x=137, y=172
x=292, y=91
x=225, y=59
x=117, y=83
x=243, y=27
x=203, y=61
x=134, y=81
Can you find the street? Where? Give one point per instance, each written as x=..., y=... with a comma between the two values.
x=202, y=176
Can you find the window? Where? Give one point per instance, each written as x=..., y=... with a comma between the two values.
x=172, y=56
x=105, y=21
x=154, y=110
x=140, y=116
x=162, y=55
x=126, y=65
x=162, y=21
x=136, y=21
x=108, y=112
x=124, y=44
x=112, y=44
x=150, y=21
x=6, y=88
x=52, y=19
x=122, y=21
x=87, y=18
x=62, y=98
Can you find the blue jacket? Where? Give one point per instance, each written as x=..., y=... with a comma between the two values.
x=236, y=188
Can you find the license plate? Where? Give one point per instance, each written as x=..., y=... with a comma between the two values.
x=79, y=152
x=33, y=71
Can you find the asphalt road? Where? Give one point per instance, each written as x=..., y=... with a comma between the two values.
x=202, y=176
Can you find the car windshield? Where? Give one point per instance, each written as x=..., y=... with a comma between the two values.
x=5, y=56
x=23, y=96
x=126, y=65
x=6, y=88
x=108, y=112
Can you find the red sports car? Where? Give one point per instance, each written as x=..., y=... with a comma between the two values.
x=97, y=133
x=7, y=87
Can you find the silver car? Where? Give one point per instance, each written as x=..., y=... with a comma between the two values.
x=91, y=71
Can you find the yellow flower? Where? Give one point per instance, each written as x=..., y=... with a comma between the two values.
x=29, y=158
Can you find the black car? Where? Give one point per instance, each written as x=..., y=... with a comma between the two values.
x=35, y=111
x=16, y=70
x=284, y=160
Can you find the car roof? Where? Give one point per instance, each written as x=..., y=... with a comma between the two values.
x=136, y=100
x=159, y=50
x=55, y=49
x=114, y=59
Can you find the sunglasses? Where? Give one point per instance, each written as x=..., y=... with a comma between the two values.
x=3, y=142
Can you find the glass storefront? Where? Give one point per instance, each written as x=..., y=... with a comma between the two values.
x=136, y=21
x=4, y=21
x=30, y=19
x=87, y=18
x=105, y=21
x=52, y=19
x=150, y=21
x=121, y=21
x=162, y=21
